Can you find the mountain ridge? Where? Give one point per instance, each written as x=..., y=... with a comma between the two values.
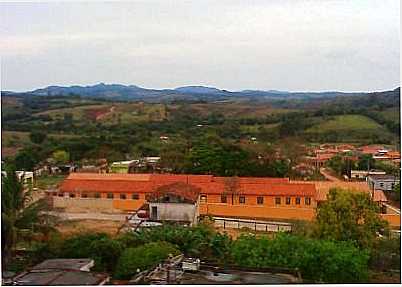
x=191, y=92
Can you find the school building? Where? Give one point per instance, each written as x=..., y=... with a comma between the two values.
x=238, y=197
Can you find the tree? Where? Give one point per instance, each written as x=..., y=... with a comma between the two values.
x=19, y=213
x=349, y=216
x=142, y=258
x=322, y=261
x=232, y=187
x=37, y=137
x=365, y=162
x=26, y=159
x=61, y=156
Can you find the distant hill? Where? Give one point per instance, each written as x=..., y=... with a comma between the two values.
x=190, y=93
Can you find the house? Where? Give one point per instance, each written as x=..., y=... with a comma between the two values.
x=25, y=177
x=255, y=198
x=123, y=166
x=177, y=201
x=362, y=174
x=61, y=272
x=382, y=182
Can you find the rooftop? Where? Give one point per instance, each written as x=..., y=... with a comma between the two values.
x=83, y=264
x=61, y=272
x=382, y=177
x=208, y=184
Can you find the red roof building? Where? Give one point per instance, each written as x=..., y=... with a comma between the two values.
x=268, y=198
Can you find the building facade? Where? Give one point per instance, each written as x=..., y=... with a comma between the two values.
x=257, y=198
x=382, y=182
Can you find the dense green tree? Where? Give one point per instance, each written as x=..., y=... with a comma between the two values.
x=19, y=213
x=143, y=257
x=320, y=261
x=37, y=137
x=61, y=156
x=26, y=159
x=349, y=216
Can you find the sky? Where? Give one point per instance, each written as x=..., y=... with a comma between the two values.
x=291, y=45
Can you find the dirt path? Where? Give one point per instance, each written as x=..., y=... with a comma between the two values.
x=328, y=176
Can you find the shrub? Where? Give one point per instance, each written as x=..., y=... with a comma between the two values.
x=142, y=258
x=105, y=252
x=317, y=260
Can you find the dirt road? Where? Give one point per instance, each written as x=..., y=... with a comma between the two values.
x=328, y=176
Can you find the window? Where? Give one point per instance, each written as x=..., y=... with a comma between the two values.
x=123, y=196
x=84, y=195
x=97, y=195
x=307, y=201
x=242, y=199
x=297, y=200
x=61, y=194
x=72, y=195
x=260, y=200
x=287, y=200
x=277, y=200
x=110, y=195
x=203, y=198
x=224, y=199
x=135, y=196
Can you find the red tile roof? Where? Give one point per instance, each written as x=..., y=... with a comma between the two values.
x=208, y=184
x=186, y=192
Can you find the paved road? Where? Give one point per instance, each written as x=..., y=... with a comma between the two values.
x=328, y=176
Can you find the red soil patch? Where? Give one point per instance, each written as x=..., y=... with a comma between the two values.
x=96, y=114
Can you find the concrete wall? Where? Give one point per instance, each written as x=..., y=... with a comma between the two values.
x=256, y=211
x=394, y=220
x=84, y=204
x=175, y=211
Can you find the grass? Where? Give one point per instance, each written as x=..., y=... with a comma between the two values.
x=256, y=128
x=45, y=182
x=17, y=139
x=346, y=122
x=391, y=114
x=348, y=128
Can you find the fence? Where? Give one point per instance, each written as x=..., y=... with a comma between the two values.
x=257, y=225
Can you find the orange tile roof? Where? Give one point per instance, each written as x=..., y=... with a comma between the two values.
x=183, y=190
x=208, y=184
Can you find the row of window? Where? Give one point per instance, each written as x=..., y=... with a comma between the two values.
x=134, y=196
x=260, y=200
x=203, y=198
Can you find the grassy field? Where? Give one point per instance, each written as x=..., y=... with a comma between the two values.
x=391, y=114
x=78, y=113
x=45, y=182
x=256, y=128
x=237, y=109
x=348, y=128
x=346, y=122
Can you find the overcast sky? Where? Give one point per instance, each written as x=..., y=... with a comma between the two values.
x=290, y=45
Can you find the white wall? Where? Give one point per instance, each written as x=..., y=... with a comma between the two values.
x=176, y=211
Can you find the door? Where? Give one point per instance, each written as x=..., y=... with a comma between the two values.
x=154, y=213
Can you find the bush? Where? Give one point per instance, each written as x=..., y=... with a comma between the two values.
x=317, y=260
x=105, y=252
x=142, y=258
x=78, y=245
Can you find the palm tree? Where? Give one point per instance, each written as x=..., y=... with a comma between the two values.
x=19, y=213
